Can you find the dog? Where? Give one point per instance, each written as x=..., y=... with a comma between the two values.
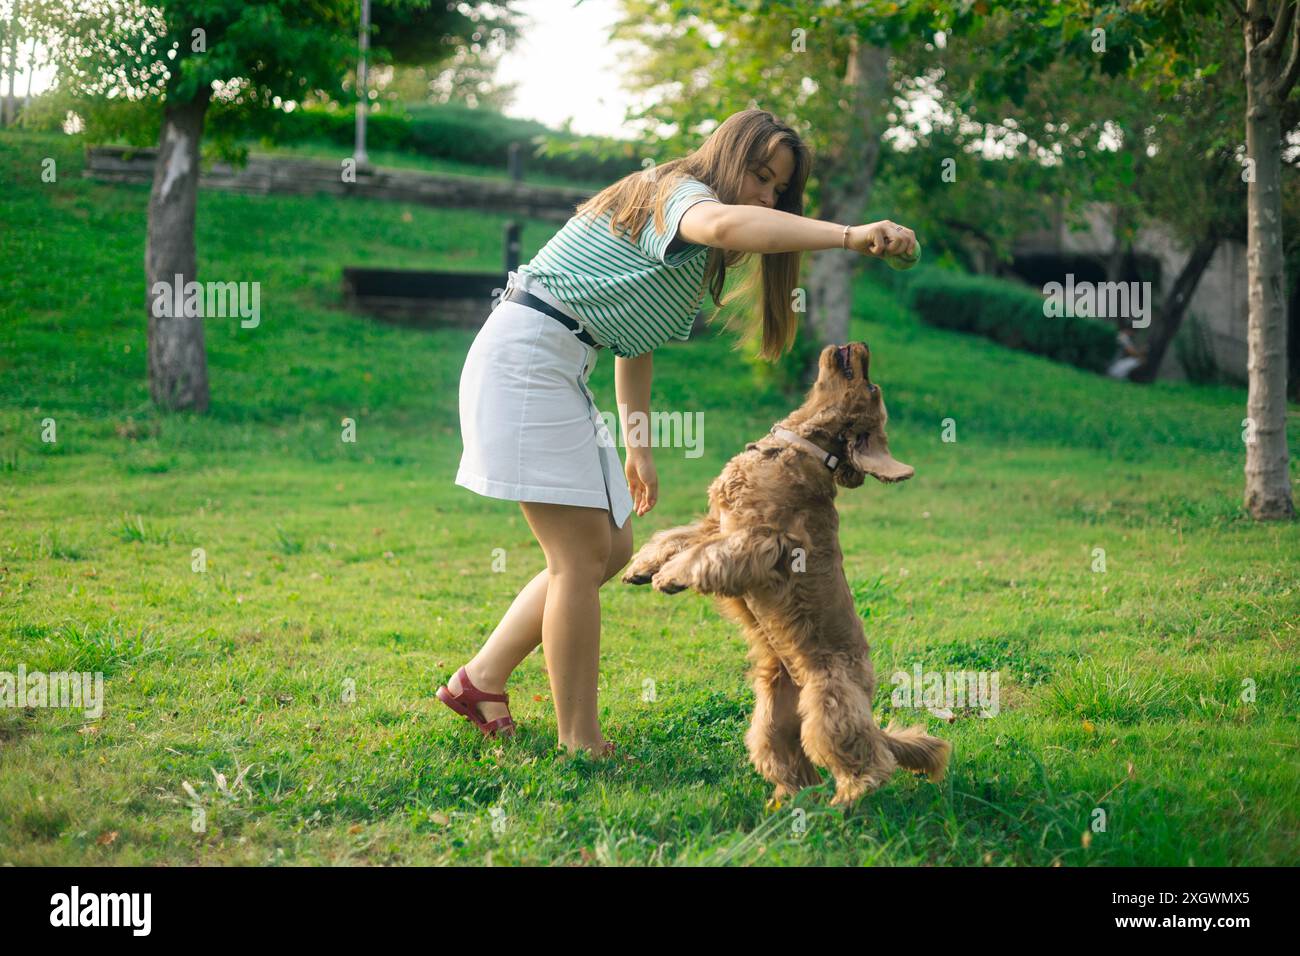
x=769, y=552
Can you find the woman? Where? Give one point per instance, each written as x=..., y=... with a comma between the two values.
x=627, y=273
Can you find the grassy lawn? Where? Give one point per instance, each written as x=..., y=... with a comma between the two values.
x=396, y=159
x=287, y=690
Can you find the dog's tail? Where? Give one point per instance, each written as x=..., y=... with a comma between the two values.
x=914, y=749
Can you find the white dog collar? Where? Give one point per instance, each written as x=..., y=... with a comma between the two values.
x=798, y=441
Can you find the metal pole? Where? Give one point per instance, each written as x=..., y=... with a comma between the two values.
x=363, y=41
x=514, y=163
x=512, y=246
x=31, y=70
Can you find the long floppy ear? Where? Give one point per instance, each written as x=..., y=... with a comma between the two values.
x=870, y=455
x=847, y=474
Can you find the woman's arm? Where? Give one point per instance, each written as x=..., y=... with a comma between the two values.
x=757, y=229
x=632, y=388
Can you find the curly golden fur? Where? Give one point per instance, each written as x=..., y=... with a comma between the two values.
x=769, y=552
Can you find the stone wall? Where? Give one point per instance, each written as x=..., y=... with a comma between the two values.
x=263, y=175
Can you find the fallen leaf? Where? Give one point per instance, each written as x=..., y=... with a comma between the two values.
x=106, y=838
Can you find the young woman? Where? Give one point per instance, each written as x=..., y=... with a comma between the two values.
x=626, y=273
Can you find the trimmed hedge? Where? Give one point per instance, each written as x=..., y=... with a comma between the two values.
x=450, y=131
x=1010, y=314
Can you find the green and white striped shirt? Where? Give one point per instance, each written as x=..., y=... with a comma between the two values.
x=631, y=295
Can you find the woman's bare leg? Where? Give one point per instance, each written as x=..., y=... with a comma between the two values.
x=521, y=629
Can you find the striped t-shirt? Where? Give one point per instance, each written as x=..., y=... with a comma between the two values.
x=631, y=296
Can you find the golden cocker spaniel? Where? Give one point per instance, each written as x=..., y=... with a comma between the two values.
x=769, y=551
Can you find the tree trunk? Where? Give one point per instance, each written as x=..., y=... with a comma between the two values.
x=847, y=179
x=1293, y=342
x=178, y=371
x=12, y=71
x=1268, y=480
x=1167, y=319
x=1119, y=247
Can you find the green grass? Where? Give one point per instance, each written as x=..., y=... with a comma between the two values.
x=272, y=608
x=400, y=159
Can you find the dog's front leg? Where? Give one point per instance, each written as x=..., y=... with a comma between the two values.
x=731, y=565
x=664, y=545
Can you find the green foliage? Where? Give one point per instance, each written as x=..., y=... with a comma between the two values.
x=178, y=49
x=417, y=32
x=450, y=131
x=1011, y=314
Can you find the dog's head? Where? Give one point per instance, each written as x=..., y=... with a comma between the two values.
x=846, y=406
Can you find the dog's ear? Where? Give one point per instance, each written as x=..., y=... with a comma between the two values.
x=847, y=474
x=870, y=455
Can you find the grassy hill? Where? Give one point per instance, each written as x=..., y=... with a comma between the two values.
x=334, y=566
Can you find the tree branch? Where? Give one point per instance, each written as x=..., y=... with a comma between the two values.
x=1282, y=86
x=1277, y=36
x=1240, y=12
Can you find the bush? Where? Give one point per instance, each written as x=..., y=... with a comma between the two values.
x=454, y=132
x=1010, y=314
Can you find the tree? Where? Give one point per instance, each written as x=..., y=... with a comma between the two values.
x=1168, y=37
x=182, y=54
x=234, y=59
x=1272, y=38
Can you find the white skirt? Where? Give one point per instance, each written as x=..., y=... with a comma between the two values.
x=529, y=425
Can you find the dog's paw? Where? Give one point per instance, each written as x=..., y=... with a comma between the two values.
x=637, y=576
x=667, y=584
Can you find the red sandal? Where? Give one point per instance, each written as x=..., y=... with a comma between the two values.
x=465, y=703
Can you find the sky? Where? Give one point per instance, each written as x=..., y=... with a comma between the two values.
x=567, y=66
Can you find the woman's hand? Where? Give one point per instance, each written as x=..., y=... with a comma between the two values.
x=883, y=239
x=642, y=479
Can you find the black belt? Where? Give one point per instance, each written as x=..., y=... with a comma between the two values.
x=530, y=300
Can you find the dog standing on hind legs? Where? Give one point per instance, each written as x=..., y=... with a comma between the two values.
x=768, y=551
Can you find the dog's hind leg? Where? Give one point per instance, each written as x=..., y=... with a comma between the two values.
x=773, y=736
x=664, y=545
x=839, y=732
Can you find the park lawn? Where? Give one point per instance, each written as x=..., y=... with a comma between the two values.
x=287, y=691
x=418, y=162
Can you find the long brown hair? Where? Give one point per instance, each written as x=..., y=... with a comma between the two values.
x=744, y=141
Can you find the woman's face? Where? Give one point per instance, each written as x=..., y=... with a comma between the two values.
x=765, y=181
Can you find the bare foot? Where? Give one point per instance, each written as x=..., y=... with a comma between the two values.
x=598, y=750
x=489, y=709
